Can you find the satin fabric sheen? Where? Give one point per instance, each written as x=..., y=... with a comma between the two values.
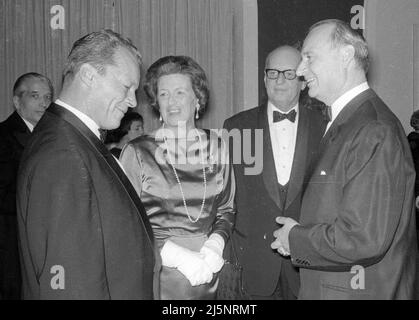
x=147, y=164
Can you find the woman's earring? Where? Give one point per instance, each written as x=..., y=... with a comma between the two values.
x=161, y=119
x=197, y=111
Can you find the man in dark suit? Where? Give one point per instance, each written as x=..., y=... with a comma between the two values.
x=83, y=230
x=291, y=133
x=356, y=238
x=32, y=94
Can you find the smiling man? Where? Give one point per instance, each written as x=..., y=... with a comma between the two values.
x=83, y=230
x=358, y=211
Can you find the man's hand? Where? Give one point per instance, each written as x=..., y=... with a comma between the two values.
x=281, y=243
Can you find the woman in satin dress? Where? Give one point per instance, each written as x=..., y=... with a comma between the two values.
x=184, y=179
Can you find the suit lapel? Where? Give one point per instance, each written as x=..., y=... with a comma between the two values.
x=20, y=131
x=347, y=112
x=300, y=157
x=269, y=172
x=104, y=153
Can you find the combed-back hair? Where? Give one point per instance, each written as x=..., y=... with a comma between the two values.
x=343, y=34
x=97, y=49
x=18, y=87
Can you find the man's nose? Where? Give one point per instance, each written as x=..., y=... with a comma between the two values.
x=132, y=99
x=281, y=78
x=45, y=102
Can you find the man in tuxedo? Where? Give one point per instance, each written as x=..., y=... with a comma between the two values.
x=356, y=237
x=83, y=230
x=292, y=130
x=32, y=94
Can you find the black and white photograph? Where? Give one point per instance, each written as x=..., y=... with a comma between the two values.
x=209, y=156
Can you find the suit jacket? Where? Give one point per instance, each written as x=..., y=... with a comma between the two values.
x=14, y=135
x=79, y=218
x=259, y=203
x=358, y=209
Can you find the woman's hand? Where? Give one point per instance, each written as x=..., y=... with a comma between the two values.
x=190, y=263
x=213, y=252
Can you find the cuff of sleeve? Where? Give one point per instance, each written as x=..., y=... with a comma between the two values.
x=217, y=241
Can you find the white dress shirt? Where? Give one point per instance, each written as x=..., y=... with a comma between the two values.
x=344, y=99
x=89, y=122
x=283, y=139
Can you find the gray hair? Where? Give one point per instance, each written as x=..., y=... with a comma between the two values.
x=343, y=34
x=18, y=86
x=97, y=49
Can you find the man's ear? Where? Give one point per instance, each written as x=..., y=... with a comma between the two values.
x=87, y=74
x=348, y=54
x=16, y=102
x=303, y=84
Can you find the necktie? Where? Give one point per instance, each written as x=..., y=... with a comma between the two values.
x=102, y=133
x=278, y=116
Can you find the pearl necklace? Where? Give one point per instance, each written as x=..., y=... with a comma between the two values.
x=178, y=180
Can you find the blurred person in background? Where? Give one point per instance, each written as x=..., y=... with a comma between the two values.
x=32, y=94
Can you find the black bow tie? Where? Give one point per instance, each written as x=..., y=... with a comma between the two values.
x=102, y=133
x=278, y=116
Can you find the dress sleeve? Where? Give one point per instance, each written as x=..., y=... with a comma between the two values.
x=131, y=161
x=224, y=202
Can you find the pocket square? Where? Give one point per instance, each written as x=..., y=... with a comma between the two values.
x=323, y=173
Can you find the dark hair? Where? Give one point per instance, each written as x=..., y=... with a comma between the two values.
x=117, y=134
x=97, y=49
x=343, y=34
x=177, y=65
x=18, y=86
x=414, y=120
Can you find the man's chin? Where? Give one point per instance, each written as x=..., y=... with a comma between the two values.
x=312, y=93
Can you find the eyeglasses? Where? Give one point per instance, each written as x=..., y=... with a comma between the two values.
x=273, y=74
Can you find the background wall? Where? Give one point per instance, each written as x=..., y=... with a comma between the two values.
x=37, y=35
x=392, y=32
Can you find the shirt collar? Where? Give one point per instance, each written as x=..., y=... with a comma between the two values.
x=89, y=122
x=272, y=108
x=28, y=124
x=344, y=99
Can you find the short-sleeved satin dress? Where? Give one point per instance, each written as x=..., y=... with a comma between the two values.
x=147, y=164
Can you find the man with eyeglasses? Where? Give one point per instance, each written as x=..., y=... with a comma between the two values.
x=292, y=131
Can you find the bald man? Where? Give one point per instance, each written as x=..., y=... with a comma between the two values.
x=292, y=131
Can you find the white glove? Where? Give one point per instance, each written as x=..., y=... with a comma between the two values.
x=213, y=252
x=190, y=263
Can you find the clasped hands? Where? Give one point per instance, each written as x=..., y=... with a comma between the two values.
x=197, y=267
x=281, y=243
